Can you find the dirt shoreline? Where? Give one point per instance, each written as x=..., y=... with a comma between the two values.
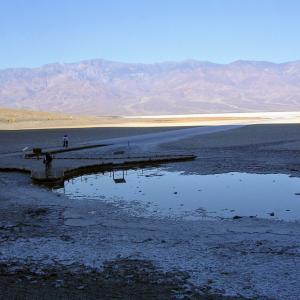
x=229, y=259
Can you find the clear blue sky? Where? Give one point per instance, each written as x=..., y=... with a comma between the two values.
x=36, y=32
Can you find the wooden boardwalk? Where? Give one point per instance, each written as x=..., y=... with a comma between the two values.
x=63, y=150
x=55, y=175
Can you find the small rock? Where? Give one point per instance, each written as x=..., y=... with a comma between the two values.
x=175, y=193
x=236, y=217
x=225, y=273
x=147, y=240
x=81, y=287
x=272, y=214
x=33, y=212
x=66, y=238
x=59, y=283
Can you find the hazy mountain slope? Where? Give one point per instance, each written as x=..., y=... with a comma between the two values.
x=112, y=88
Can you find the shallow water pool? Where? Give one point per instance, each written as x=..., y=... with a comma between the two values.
x=160, y=193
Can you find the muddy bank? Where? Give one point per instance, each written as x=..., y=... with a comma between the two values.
x=119, y=279
x=42, y=230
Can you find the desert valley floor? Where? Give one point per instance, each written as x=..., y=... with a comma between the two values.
x=53, y=246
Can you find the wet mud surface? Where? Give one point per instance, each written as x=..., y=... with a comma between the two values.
x=119, y=279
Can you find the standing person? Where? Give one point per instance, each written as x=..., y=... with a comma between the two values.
x=66, y=141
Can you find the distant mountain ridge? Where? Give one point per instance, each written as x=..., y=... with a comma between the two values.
x=101, y=87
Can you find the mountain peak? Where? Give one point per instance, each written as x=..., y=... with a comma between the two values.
x=105, y=87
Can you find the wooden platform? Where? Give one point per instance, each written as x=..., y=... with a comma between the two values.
x=55, y=176
x=62, y=150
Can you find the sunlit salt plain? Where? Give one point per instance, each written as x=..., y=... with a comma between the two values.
x=159, y=193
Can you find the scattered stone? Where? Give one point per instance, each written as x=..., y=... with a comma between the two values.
x=225, y=273
x=147, y=240
x=175, y=193
x=272, y=214
x=34, y=212
x=59, y=283
x=81, y=287
x=247, y=287
x=65, y=237
x=236, y=217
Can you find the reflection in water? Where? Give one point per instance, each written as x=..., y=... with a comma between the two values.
x=160, y=193
x=120, y=178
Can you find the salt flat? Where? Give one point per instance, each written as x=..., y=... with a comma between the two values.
x=11, y=119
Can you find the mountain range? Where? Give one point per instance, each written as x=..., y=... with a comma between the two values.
x=100, y=87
